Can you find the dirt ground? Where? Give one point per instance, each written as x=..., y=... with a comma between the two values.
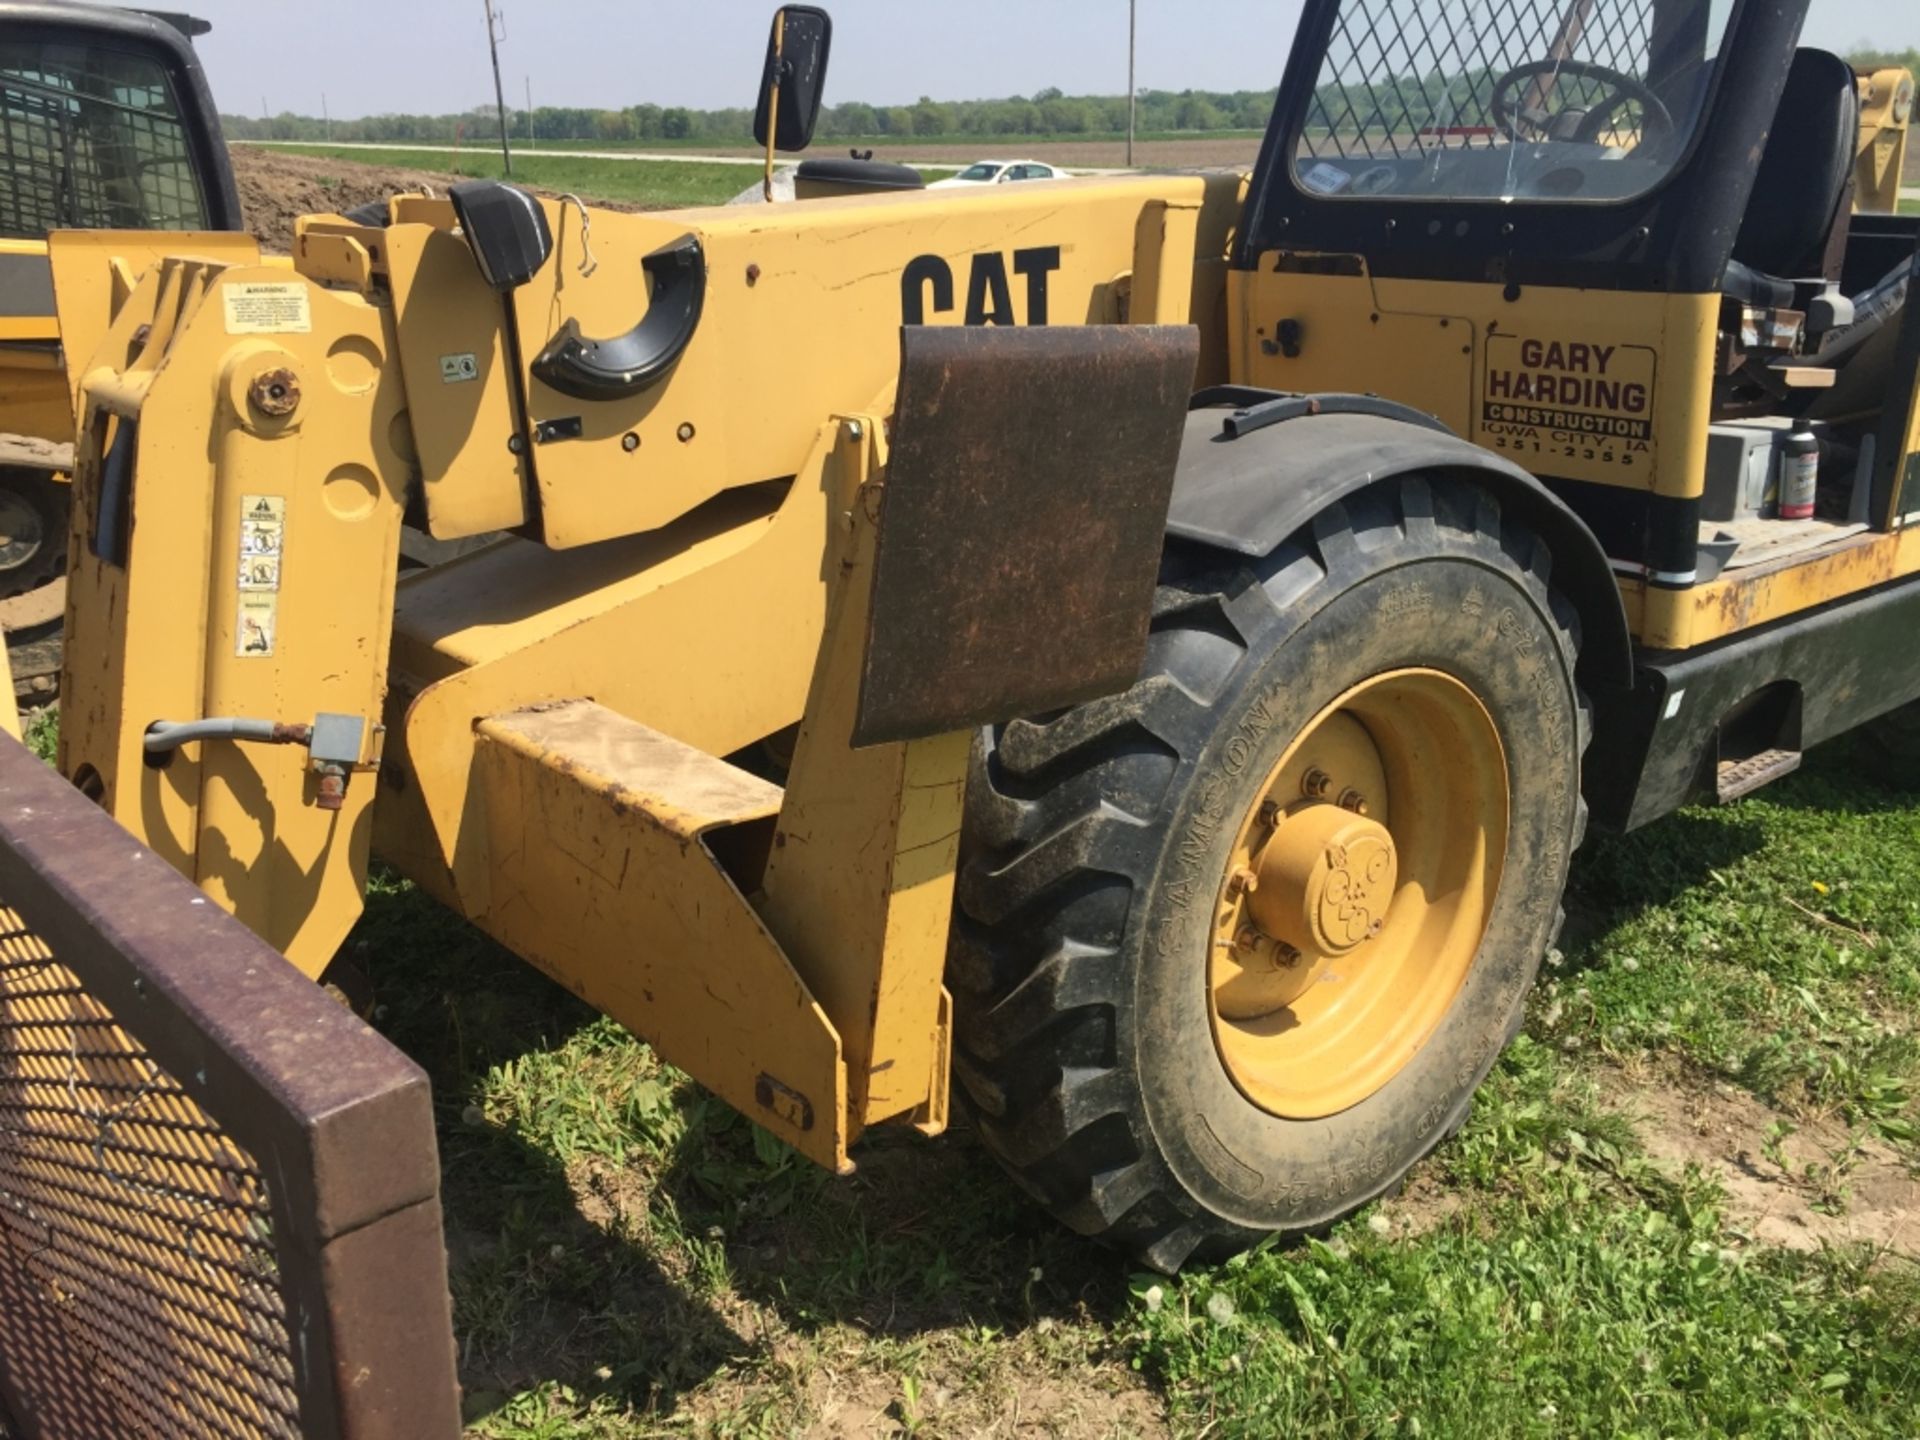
x=276, y=188
x=1798, y=1186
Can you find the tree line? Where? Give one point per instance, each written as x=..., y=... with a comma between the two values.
x=1048, y=113
x=1391, y=102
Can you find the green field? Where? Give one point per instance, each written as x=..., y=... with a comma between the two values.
x=641, y=182
x=632, y=1258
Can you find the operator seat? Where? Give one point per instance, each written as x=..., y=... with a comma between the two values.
x=1800, y=190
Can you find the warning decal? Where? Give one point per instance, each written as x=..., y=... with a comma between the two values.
x=263, y=536
x=268, y=307
x=1547, y=392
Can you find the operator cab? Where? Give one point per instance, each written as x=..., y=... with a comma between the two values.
x=1545, y=226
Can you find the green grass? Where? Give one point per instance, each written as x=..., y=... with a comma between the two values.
x=833, y=145
x=642, y=182
x=632, y=1258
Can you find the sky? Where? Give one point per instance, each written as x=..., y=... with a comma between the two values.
x=430, y=56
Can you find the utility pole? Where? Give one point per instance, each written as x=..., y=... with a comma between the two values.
x=1130, y=90
x=326, y=120
x=499, y=95
x=530, y=135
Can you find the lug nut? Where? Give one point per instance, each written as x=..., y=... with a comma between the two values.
x=1315, y=784
x=1270, y=813
x=1351, y=799
x=1241, y=882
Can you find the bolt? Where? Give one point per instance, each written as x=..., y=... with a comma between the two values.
x=685, y=432
x=274, y=392
x=1285, y=954
x=753, y=274
x=854, y=430
x=1351, y=799
x=517, y=444
x=1247, y=939
x=1315, y=784
x=1270, y=813
x=630, y=441
x=1241, y=882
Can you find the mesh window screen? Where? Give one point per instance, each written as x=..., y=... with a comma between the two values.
x=1407, y=81
x=131, y=1226
x=92, y=139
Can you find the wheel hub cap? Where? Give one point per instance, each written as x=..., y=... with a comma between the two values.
x=1325, y=880
x=1357, y=892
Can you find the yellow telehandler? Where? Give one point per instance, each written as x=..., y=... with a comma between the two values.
x=1137, y=651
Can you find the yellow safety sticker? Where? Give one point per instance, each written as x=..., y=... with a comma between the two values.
x=263, y=537
x=259, y=614
x=268, y=307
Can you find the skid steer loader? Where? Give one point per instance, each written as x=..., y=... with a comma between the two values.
x=105, y=123
x=1139, y=651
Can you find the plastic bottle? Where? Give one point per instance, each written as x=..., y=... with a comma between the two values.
x=1799, y=474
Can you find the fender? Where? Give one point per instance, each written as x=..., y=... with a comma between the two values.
x=1255, y=467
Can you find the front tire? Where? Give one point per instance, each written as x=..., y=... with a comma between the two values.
x=1110, y=1069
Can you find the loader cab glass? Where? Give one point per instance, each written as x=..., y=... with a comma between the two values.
x=794, y=78
x=1585, y=100
x=94, y=138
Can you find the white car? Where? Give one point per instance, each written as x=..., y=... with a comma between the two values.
x=999, y=172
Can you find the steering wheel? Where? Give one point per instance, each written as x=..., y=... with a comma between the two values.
x=1655, y=117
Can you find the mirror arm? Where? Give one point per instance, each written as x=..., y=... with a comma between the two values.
x=773, y=97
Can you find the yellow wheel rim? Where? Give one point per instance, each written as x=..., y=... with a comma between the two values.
x=1357, y=893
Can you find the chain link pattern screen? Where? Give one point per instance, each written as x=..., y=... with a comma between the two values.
x=1409, y=89
x=139, y=1280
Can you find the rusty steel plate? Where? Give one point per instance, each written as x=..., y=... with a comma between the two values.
x=219, y=1196
x=1021, y=520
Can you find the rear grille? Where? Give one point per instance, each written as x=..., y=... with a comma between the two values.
x=137, y=1262
x=219, y=1211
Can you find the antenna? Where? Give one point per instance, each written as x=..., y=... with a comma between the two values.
x=1131, y=92
x=496, y=32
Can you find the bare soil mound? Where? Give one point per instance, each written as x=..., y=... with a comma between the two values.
x=277, y=188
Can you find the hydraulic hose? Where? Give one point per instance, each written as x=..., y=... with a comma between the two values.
x=164, y=735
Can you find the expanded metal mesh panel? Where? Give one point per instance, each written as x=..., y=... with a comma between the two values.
x=1404, y=76
x=91, y=139
x=139, y=1282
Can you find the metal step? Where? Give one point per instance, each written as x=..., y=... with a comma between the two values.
x=1735, y=778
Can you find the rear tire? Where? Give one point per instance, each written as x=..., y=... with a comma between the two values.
x=1097, y=841
x=33, y=531
x=1894, y=740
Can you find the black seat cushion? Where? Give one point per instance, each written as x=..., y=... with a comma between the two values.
x=1803, y=172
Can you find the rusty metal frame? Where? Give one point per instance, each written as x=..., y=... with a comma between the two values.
x=339, y=1122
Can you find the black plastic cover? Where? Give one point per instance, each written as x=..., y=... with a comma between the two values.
x=505, y=228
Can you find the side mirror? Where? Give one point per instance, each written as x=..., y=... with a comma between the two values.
x=505, y=228
x=795, y=77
